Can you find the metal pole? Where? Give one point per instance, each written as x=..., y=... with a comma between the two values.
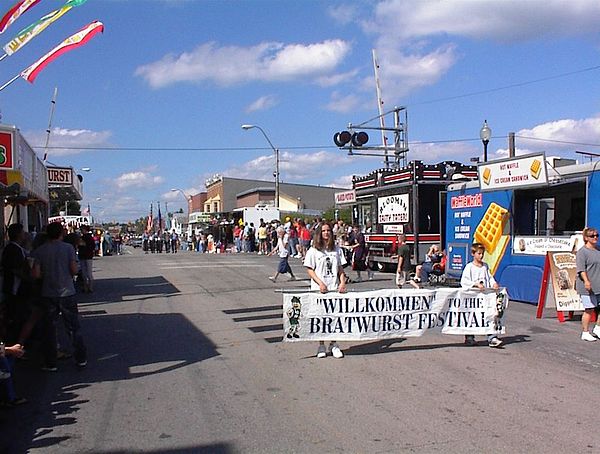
x=276, y=177
x=485, y=145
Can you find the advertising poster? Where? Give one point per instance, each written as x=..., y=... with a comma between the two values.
x=475, y=217
x=562, y=275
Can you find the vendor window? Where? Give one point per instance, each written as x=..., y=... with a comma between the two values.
x=552, y=210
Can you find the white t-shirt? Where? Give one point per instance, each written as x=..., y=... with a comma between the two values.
x=282, y=246
x=326, y=265
x=473, y=275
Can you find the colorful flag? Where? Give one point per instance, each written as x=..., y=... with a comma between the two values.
x=86, y=211
x=150, y=221
x=160, y=226
x=72, y=42
x=27, y=34
x=13, y=14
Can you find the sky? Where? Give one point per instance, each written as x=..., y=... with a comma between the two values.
x=157, y=101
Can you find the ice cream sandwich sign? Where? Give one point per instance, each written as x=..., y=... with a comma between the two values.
x=524, y=171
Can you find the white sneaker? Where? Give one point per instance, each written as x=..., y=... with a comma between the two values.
x=321, y=352
x=293, y=278
x=272, y=279
x=259, y=253
x=586, y=336
x=335, y=351
x=596, y=331
x=495, y=342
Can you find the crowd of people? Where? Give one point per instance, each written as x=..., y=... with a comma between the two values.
x=39, y=287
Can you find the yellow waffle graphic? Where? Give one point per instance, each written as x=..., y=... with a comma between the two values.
x=536, y=168
x=487, y=174
x=491, y=227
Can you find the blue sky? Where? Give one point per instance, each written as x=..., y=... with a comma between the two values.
x=171, y=75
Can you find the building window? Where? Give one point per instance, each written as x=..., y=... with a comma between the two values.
x=216, y=207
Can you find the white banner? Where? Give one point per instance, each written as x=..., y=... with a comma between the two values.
x=390, y=313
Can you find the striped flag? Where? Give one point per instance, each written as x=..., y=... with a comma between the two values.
x=160, y=223
x=13, y=14
x=27, y=34
x=150, y=221
x=72, y=42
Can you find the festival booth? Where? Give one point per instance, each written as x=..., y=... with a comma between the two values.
x=521, y=209
x=64, y=184
x=23, y=182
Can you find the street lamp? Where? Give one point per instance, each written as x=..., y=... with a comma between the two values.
x=485, y=134
x=276, y=150
x=188, y=198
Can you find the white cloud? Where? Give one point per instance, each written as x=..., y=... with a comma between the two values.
x=417, y=41
x=74, y=140
x=344, y=181
x=343, y=103
x=437, y=152
x=343, y=14
x=262, y=103
x=508, y=20
x=293, y=167
x=137, y=179
x=229, y=65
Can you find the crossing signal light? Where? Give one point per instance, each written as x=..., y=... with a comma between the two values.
x=358, y=139
x=342, y=138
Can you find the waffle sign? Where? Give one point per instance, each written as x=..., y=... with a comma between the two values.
x=393, y=209
x=529, y=170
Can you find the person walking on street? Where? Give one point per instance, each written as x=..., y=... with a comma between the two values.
x=56, y=264
x=587, y=283
x=403, y=254
x=284, y=253
x=86, y=254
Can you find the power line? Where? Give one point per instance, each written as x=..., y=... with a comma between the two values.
x=506, y=87
x=308, y=147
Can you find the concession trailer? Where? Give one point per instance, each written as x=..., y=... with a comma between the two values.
x=520, y=209
x=409, y=200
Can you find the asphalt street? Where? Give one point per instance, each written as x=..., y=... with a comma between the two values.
x=185, y=356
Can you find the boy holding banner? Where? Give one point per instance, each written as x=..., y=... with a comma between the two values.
x=476, y=275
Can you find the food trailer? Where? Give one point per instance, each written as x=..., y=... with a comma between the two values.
x=520, y=209
x=408, y=200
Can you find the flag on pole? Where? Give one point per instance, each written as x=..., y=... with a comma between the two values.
x=150, y=220
x=72, y=42
x=28, y=33
x=76, y=40
x=160, y=226
x=13, y=13
x=86, y=211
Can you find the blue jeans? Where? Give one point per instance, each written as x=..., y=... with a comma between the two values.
x=67, y=308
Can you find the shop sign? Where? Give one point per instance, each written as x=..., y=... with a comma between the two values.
x=525, y=171
x=393, y=209
x=539, y=245
x=6, y=150
x=60, y=176
x=346, y=197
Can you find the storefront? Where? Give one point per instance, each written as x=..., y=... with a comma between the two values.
x=23, y=182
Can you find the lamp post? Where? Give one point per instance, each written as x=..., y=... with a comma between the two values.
x=485, y=134
x=276, y=151
x=187, y=197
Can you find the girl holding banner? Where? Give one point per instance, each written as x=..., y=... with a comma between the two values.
x=324, y=263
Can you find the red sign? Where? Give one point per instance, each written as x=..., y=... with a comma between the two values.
x=6, y=150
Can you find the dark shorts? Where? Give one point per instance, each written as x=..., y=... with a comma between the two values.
x=284, y=266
